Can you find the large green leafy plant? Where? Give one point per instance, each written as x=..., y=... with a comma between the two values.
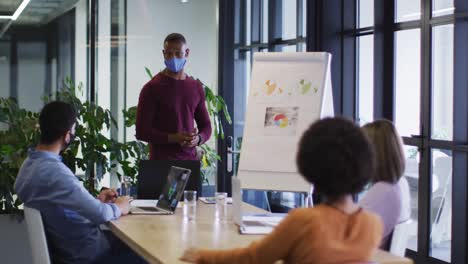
x=19, y=131
x=100, y=154
x=93, y=151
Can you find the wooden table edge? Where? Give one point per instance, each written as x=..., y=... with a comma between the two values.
x=133, y=245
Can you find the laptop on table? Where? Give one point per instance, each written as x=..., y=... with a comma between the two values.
x=177, y=179
x=152, y=176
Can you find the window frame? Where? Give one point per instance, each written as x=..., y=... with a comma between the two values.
x=384, y=107
x=231, y=51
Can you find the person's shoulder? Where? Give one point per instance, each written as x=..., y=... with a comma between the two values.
x=195, y=85
x=192, y=81
x=59, y=173
x=308, y=215
x=370, y=219
x=155, y=81
x=47, y=172
x=45, y=164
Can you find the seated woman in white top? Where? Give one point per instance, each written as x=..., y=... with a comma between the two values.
x=389, y=195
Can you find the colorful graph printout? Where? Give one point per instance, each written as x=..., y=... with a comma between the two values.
x=281, y=121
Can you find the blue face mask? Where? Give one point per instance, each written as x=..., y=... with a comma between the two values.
x=175, y=64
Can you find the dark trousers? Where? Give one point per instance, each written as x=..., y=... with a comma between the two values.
x=119, y=252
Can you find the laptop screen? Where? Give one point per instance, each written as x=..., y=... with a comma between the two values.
x=174, y=188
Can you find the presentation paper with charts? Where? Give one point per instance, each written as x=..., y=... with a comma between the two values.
x=288, y=92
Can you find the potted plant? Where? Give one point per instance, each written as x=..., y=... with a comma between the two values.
x=19, y=131
x=93, y=151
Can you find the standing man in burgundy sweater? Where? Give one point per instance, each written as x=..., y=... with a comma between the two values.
x=168, y=106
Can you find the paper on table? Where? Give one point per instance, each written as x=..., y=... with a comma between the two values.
x=266, y=220
x=260, y=223
x=255, y=230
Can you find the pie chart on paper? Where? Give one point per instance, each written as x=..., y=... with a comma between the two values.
x=281, y=120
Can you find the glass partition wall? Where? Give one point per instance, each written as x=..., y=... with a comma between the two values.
x=105, y=46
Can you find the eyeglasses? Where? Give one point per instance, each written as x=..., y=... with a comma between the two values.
x=173, y=53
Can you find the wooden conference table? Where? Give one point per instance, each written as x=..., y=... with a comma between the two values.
x=163, y=239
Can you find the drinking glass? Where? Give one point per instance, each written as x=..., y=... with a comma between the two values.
x=190, y=205
x=126, y=186
x=221, y=206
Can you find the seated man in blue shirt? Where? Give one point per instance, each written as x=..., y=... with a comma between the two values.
x=71, y=215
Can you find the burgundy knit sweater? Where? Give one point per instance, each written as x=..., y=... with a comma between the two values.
x=167, y=106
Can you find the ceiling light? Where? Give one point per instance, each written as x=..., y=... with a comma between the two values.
x=184, y=1
x=18, y=11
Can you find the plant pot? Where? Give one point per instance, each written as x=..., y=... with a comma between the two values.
x=14, y=245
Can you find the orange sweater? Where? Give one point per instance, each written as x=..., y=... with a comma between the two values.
x=319, y=235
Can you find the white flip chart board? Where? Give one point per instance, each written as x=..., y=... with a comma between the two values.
x=288, y=92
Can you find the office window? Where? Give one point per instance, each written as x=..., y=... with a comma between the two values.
x=237, y=22
x=304, y=18
x=264, y=21
x=441, y=205
x=411, y=174
x=31, y=74
x=288, y=28
x=365, y=78
x=81, y=48
x=364, y=104
x=407, y=82
x=442, y=7
x=366, y=13
x=407, y=10
x=5, y=69
x=289, y=19
x=418, y=96
x=442, y=82
x=302, y=47
x=248, y=21
x=289, y=48
x=248, y=70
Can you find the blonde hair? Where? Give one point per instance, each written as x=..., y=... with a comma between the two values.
x=388, y=148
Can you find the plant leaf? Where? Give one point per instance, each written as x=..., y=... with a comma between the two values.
x=148, y=72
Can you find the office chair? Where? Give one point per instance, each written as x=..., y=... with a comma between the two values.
x=400, y=237
x=37, y=237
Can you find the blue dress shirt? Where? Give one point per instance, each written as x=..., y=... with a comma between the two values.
x=70, y=213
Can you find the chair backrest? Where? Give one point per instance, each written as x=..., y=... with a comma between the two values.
x=152, y=177
x=37, y=238
x=400, y=237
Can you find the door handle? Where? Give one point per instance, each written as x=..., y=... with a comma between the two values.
x=229, y=152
